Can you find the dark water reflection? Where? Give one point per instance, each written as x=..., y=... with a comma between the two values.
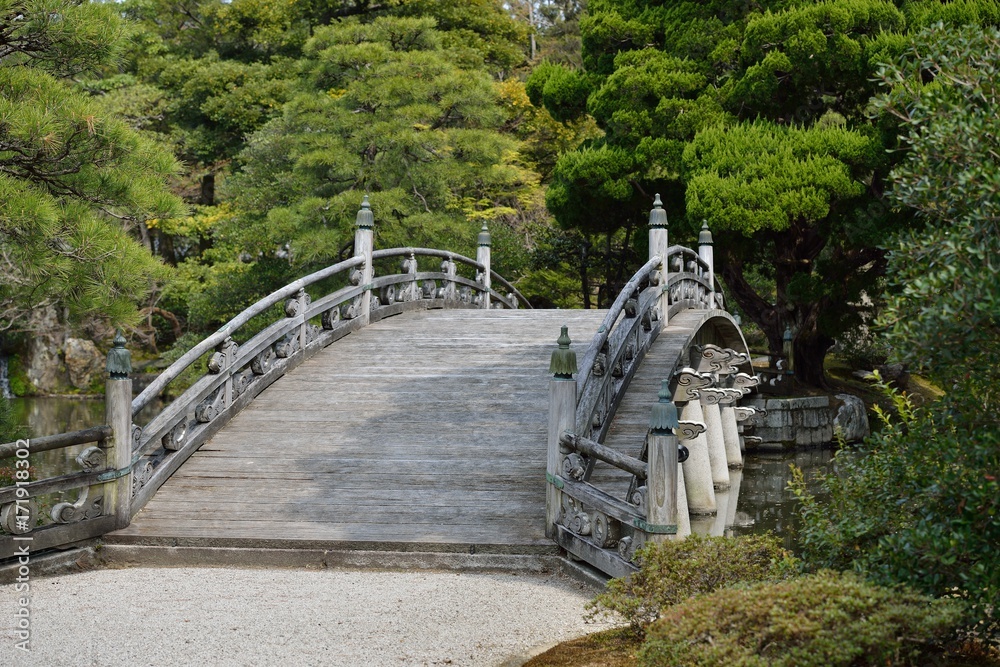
x=765, y=504
x=49, y=415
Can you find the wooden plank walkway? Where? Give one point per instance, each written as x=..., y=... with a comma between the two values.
x=421, y=432
x=631, y=422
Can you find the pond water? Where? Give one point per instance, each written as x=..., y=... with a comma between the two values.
x=764, y=502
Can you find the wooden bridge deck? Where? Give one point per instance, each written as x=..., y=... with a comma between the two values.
x=631, y=423
x=424, y=431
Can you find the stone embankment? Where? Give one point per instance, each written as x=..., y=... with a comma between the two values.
x=811, y=421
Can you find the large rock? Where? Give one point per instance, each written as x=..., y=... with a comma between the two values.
x=83, y=361
x=42, y=364
x=851, y=420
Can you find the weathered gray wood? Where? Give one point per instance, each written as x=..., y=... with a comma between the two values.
x=599, y=500
x=58, y=535
x=74, y=480
x=157, y=386
x=434, y=418
x=118, y=412
x=562, y=413
x=661, y=486
x=607, y=561
x=59, y=441
x=627, y=463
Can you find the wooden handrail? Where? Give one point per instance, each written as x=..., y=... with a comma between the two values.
x=58, y=441
x=601, y=337
x=629, y=464
x=444, y=254
x=227, y=330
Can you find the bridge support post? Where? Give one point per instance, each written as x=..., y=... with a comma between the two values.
x=661, y=475
x=363, y=247
x=731, y=436
x=658, y=245
x=715, y=438
x=483, y=251
x=707, y=254
x=562, y=417
x=118, y=413
x=698, y=467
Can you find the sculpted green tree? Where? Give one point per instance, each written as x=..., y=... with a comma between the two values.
x=383, y=108
x=753, y=118
x=75, y=181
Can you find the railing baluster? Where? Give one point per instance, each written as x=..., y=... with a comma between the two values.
x=363, y=247
x=707, y=254
x=658, y=247
x=562, y=416
x=118, y=407
x=483, y=252
x=661, y=471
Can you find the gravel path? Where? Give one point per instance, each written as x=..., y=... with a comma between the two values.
x=221, y=617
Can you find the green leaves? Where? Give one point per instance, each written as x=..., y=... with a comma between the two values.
x=795, y=174
x=71, y=173
x=946, y=278
x=916, y=504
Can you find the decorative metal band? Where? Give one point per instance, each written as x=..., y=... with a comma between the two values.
x=369, y=287
x=658, y=529
x=553, y=480
x=114, y=474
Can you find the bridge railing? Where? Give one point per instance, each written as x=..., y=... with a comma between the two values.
x=588, y=521
x=131, y=461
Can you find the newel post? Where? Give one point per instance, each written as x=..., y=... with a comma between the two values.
x=118, y=414
x=483, y=252
x=562, y=417
x=363, y=247
x=658, y=245
x=707, y=254
x=661, y=474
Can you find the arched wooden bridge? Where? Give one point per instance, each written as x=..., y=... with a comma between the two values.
x=421, y=411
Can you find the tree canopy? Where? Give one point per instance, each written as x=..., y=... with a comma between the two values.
x=74, y=179
x=391, y=107
x=755, y=119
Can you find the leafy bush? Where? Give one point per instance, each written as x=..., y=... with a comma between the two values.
x=862, y=349
x=825, y=619
x=918, y=504
x=670, y=572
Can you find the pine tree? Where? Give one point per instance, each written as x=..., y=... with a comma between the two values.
x=74, y=179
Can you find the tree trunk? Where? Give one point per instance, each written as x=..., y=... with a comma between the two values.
x=809, y=349
x=207, y=195
x=584, y=280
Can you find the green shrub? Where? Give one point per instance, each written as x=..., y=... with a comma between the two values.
x=825, y=619
x=670, y=572
x=862, y=349
x=918, y=504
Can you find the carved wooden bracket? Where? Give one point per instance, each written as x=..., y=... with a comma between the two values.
x=688, y=384
x=85, y=507
x=19, y=518
x=605, y=530
x=715, y=359
x=223, y=356
x=689, y=430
